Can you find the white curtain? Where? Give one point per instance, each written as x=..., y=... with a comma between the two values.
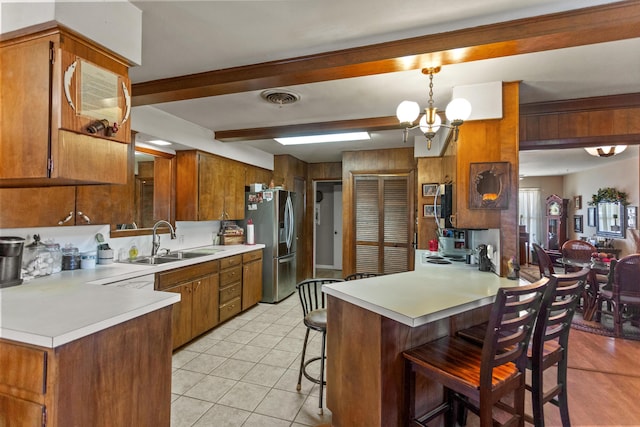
x=530, y=213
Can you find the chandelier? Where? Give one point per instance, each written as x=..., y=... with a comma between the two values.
x=605, y=150
x=457, y=112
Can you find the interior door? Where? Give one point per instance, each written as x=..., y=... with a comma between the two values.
x=337, y=226
x=384, y=223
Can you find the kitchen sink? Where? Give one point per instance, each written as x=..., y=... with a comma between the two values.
x=174, y=256
x=152, y=260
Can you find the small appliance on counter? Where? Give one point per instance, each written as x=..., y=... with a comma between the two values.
x=40, y=259
x=484, y=263
x=10, y=260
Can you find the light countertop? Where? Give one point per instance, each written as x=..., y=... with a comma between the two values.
x=57, y=309
x=428, y=294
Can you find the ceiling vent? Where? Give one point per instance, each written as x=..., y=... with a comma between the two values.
x=279, y=97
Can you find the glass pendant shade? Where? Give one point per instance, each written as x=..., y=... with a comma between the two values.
x=424, y=126
x=459, y=109
x=408, y=111
x=606, y=150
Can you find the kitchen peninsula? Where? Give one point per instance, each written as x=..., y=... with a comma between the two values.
x=77, y=352
x=371, y=321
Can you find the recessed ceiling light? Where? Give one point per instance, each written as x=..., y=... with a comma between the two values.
x=315, y=139
x=159, y=142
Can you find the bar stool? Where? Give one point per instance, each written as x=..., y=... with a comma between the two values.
x=312, y=300
x=482, y=374
x=356, y=276
x=549, y=345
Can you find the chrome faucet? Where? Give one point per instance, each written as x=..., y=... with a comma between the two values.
x=155, y=243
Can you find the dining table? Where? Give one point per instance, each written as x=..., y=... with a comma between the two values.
x=596, y=269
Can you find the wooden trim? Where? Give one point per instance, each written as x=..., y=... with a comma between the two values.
x=578, y=27
x=252, y=134
x=579, y=142
x=608, y=102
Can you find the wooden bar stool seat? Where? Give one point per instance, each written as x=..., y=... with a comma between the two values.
x=549, y=345
x=478, y=377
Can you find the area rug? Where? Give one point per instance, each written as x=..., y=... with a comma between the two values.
x=605, y=327
x=530, y=273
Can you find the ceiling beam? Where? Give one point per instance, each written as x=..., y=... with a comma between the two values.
x=356, y=125
x=597, y=24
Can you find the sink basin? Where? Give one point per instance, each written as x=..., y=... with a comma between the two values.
x=152, y=260
x=188, y=255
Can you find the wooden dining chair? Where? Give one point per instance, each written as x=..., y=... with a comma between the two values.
x=581, y=251
x=482, y=374
x=549, y=345
x=313, y=302
x=545, y=264
x=624, y=295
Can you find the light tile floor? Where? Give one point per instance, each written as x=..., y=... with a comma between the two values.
x=244, y=373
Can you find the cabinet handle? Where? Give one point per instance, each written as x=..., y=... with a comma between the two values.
x=67, y=219
x=86, y=219
x=197, y=286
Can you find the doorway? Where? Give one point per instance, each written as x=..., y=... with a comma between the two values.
x=327, y=229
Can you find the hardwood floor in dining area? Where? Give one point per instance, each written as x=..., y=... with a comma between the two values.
x=604, y=382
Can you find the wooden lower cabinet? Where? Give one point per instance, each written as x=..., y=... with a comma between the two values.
x=197, y=311
x=120, y=376
x=211, y=292
x=230, y=287
x=251, y=278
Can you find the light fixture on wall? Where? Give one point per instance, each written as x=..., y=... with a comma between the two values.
x=457, y=112
x=605, y=150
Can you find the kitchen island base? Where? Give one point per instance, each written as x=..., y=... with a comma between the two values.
x=365, y=366
x=119, y=376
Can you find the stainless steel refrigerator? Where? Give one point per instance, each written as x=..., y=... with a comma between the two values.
x=273, y=218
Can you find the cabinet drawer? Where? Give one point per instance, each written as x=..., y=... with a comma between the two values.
x=230, y=292
x=185, y=274
x=251, y=256
x=230, y=261
x=32, y=362
x=230, y=275
x=229, y=309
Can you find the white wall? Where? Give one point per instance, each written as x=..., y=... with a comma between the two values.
x=623, y=175
x=119, y=27
x=157, y=123
x=189, y=235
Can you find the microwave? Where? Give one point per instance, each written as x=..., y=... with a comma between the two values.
x=446, y=205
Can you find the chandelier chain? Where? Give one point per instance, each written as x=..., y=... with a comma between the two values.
x=430, y=90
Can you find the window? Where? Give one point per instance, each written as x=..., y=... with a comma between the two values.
x=530, y=213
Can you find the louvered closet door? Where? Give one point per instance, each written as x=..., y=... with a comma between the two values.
x=382, y=223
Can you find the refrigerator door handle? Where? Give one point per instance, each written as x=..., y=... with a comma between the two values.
x=289, y=221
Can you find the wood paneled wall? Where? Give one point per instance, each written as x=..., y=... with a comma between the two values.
x=479, y=141
x=398, y=160
x=491, y=141
x=582, y=122
x=430, y=170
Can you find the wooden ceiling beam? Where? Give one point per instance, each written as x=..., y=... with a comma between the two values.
x=356, y=125
x=597, y=24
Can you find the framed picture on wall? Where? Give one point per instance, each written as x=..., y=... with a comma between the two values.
x=429, y=190
x=577, y=223
x=591, y=217
x=632, y=214
x=428, y=210
x=578, y=202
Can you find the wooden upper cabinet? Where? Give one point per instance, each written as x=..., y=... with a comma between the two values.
x=208, y=187
x=66, y=111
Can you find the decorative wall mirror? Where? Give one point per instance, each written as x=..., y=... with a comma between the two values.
x=153, y=193
x=610, y=220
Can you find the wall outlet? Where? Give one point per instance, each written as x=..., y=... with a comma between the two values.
x=181, y=239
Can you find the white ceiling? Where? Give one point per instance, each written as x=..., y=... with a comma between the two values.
x=184, y=37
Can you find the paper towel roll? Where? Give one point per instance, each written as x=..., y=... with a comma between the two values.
x=250, y=235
